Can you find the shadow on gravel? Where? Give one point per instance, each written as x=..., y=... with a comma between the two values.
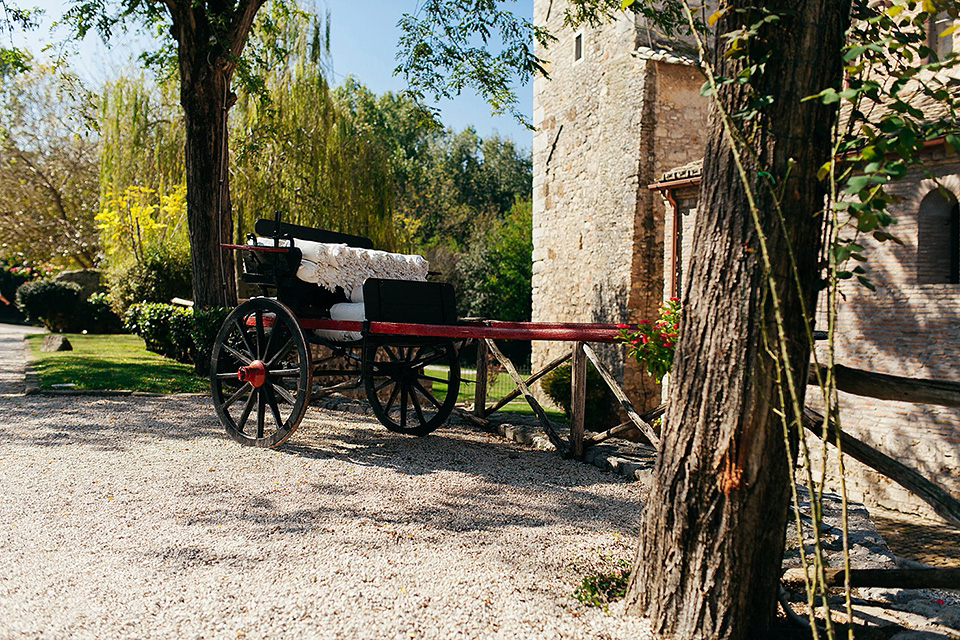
x=378, y=511
x=475, y=477
x=107, y=423
x=476, y=487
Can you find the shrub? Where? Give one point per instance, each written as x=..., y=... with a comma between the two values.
x=653, y=343
x=156, y=324
x=98, y=317
x=163, y=275
x=175, y=332
x=600, y=401
x=12, y=277
x=57, y=305
x=203, y=332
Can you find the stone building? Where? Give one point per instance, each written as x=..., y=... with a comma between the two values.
x=618, y=110
x=616, y=179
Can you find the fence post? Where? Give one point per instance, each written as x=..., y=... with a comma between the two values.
x=578, y=399
x=480, y=393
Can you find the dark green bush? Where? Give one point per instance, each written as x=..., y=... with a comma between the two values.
x=175, y=332
x=11, y=277
x=162, y=276
x=161, y=329
x=57, y=305
x=203, y=332
x=98, y=316
x=600, y=404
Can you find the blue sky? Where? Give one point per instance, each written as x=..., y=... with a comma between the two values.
x=364, y=37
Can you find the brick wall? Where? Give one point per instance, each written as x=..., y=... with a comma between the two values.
x=905, y=328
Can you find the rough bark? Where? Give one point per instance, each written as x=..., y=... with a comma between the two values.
x=714, y=526
x=210, y=39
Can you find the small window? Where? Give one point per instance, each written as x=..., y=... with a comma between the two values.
x=938, y=239
x=578, y=47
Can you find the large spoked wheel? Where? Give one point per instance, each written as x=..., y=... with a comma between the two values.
x=260, y=373
x=412, y=389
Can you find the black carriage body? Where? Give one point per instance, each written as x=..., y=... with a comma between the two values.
x=262, y=365
x=276, y=272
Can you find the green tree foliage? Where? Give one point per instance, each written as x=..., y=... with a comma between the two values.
x=448, y=45
x=299, y=152
x=12, y=59
x=496, y=269
x=48, y=169
x=210, y=42
x=141, y=137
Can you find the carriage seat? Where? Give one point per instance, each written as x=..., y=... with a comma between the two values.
x=332, y=265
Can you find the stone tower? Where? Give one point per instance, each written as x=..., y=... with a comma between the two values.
x=619, y=109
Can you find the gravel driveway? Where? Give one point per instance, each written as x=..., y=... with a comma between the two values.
x=137, y=518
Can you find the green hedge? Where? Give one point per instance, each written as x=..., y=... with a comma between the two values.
x=182, y=334
x=56, y=304
x=62, y=309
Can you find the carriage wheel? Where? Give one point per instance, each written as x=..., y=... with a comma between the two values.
x=260, y=373
x=412, y=389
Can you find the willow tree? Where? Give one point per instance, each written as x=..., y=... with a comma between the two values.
x=209, y=38
x=141, y=136
x=300, y=151
x=713, y=529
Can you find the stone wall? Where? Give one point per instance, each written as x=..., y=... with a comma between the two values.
x=606, y=124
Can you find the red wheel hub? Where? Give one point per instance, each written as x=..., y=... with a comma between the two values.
x=255, y=373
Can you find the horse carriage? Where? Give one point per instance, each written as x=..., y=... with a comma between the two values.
x=383, y=328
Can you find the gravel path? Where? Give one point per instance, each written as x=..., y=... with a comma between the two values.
x=138, y=518
x=14, y=356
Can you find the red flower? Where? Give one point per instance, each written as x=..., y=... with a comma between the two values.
x=645, y=339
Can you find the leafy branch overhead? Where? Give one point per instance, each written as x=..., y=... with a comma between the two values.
x=447, y=47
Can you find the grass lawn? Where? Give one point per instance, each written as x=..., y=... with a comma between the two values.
x=112, y=362
x=500, y=386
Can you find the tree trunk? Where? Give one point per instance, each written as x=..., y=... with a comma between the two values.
x=714, y=527
x=208, y=194
x=210, y=40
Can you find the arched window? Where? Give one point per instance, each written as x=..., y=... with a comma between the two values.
x=938, y=239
